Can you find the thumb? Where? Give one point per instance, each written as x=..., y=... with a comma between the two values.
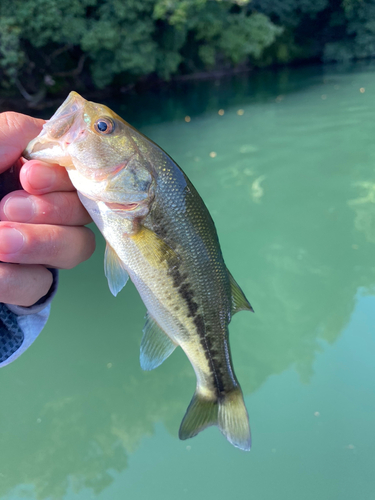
x=16, y=131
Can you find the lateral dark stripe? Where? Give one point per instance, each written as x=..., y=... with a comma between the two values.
x=185, y=290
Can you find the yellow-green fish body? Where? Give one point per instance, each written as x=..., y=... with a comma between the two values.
x=160, y=233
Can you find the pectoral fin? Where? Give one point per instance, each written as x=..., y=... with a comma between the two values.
x=239, y=301
x=114, y=270
x=156, y=346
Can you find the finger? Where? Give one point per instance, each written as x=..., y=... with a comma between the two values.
x=16, y=131
x=53, y=246
x=53, y=208
x=23, y=285
x=38, y=177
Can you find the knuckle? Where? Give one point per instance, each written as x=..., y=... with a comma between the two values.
x=91, y=242
x=46, y=245
x=61, y=208
x=56, y=243
x=10, y=118
x=67, y=207
x=85, y=248
x=78, y=245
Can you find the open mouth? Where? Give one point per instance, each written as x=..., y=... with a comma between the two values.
x=38, y=146
x=46, y=150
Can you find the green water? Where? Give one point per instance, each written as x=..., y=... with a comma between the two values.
x=292, y=193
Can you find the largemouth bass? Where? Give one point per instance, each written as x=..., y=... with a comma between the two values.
x=159, y=232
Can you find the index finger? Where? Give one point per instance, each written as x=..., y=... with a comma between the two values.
x=16, y=131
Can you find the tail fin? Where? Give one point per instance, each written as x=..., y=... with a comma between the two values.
x=234, y=420
x=228, y=413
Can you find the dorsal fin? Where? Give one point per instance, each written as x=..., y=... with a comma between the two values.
x=114, y=270
x=239, y=301
x=156, y=346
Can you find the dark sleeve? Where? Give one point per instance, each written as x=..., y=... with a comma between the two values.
x=20, y=326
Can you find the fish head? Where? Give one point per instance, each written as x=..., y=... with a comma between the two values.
x=98, y=148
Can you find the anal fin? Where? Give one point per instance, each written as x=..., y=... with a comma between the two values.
x=114, y=270
x=156, y=346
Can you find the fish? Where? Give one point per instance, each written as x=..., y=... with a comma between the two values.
x=159, y=232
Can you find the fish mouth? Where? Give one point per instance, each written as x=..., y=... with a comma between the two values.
x=59, y=132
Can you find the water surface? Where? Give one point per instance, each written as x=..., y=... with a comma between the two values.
x=288, y=175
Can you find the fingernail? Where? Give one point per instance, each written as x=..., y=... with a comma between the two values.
x=41, y=177
x=19, y=208
x=11, y=240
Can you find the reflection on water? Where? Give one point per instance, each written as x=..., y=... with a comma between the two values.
x=364, y=207
x=291, y=189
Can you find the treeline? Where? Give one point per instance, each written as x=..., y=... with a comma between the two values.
x=53, y=45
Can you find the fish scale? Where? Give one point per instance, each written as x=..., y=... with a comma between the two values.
x=205, y=278
x=160, y=233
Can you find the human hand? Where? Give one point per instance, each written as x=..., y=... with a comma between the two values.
x=42, y=225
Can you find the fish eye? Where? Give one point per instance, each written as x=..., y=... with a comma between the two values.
x=104, y=126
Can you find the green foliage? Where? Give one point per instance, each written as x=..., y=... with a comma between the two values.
x=358, y=21
x=11, y=57
x=43, y=41
x=91, y=43
x=247, y=36
x=222, y=31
